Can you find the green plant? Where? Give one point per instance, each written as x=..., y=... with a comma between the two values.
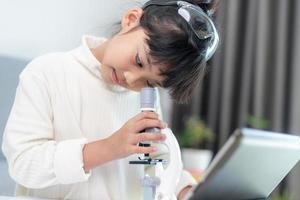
x=281, y=197
x=257, y=122
x=195, y=134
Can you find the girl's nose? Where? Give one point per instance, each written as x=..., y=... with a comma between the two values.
x=131, y=79
x=135, y=84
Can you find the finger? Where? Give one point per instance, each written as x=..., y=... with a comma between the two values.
x=149, y=123
x=142, y=137
x=143, y=150
x=146, y=115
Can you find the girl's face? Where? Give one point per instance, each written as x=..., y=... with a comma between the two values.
x=125, y=59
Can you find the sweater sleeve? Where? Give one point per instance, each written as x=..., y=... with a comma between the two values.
x=34, y=158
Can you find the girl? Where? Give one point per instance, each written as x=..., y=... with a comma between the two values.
x=68, y=135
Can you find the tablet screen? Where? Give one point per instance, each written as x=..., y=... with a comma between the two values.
x=249, y=166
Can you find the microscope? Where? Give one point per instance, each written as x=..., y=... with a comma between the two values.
x=160, y=181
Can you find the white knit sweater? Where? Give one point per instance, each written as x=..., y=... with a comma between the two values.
x=62, y=103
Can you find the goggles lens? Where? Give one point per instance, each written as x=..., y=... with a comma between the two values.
x=198, y=21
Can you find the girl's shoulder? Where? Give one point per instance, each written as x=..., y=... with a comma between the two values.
x=47, y=64
x=44, y=61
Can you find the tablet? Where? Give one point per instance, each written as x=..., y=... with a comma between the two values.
x=249, y=166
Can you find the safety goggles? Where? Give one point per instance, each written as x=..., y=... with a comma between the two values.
x=198, y=21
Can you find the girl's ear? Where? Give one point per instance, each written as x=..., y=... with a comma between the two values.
x=131, y=19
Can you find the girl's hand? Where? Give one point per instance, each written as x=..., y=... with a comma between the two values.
x=124, y=141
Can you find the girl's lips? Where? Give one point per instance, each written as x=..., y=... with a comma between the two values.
x=115, y=77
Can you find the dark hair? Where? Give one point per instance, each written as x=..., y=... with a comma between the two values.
x=172, y=43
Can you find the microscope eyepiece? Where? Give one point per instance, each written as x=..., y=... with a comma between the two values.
x=147, y=99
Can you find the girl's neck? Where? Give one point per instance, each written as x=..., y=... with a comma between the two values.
x=99, y=51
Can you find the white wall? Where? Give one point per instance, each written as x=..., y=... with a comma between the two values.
x=32, y=27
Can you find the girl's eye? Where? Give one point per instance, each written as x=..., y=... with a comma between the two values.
x=138, y=61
